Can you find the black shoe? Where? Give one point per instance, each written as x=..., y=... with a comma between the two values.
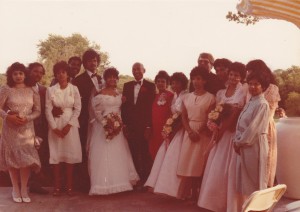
x=38, y=190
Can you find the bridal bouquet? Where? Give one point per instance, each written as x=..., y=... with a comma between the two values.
x=112, y=124
x=217, y=115
x=171, y=125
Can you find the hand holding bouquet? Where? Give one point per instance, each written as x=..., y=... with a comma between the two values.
x=171, y=126
x=216, y=116
x=112, y=124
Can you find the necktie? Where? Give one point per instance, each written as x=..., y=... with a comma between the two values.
x=94, y=75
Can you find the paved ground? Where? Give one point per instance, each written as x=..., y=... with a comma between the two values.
x=127, y=201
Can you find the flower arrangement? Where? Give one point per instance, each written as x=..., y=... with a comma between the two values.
x=217, y=115
x=171, y=125
x=162, y=99
x=112, y=124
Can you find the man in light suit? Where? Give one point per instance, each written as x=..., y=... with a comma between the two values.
x=87, y=82
x=138, y=97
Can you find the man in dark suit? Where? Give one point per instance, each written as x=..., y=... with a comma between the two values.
x=214, y=84
x=35, y=72
x=136, y=114
x=87, y=83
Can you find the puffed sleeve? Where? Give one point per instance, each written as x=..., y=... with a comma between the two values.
x=77, y=108
x=256, y=127
x=4, y=92
x=48, y=109
x=36, y=109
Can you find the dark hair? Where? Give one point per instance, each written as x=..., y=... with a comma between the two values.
x=260, y=67
x=74, y=58
x=110, y=72
x=222, y=62
x=60, y=65
x=16, y=67
x=239, y=68
x=180, y=77
x=162, y=75
x=35, y=64
x=198, y=71
x=88, y=55
x=260, y=78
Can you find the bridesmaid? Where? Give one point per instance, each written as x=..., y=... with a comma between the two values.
x=161, y=110
x=216, y=193
x=251, y=139
x=196, y=106
x=163, y=177
x=272, y=96
x=19, y=106
x=63, y=135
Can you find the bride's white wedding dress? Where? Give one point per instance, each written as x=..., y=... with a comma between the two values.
x=111, y=167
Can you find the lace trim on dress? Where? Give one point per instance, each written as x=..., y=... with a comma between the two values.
x=110, y=190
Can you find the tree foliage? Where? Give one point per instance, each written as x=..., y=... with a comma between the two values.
x=241, y=18
x=289, y=86
x=56, y=48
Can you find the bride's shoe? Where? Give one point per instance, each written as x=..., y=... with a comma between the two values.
x=26, y=199
x=16, y=199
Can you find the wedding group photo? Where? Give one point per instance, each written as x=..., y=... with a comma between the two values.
x=211, y=127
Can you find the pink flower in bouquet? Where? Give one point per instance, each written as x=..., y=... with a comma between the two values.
x=217, y=115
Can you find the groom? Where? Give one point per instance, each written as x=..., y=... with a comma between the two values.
x=87, y=83
x=138, y=97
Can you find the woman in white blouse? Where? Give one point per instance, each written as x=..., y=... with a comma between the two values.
x=64, y=141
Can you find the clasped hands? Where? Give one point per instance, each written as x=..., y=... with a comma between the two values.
x=63, y=132
x=16, y=119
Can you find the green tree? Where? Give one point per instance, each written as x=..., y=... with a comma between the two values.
x=293, y=104
x=56, y=48
x=288, y=81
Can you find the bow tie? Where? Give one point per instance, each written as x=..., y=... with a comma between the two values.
x=94, y=75
x=137, y=82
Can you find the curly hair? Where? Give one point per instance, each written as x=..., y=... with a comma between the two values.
x=222, y=62
x=60, y=65
x=162, y=75
x=239, y=68
x=35, y=64
x=198, y=71
x=260, y=78
x=110, y=72
x=260, y=67
x=180, y=77
x=88, y=55
x=16, y=67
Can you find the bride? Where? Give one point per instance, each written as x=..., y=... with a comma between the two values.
x=111, y=167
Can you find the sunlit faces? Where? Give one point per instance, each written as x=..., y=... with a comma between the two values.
x=92, y=64
x=222, y=73
x=176, y=86
x=255, y=87
x=138, y=71
x=161, y=84
x=36, y=73
x=61, y=75
x=234, y=77
x=205, y=63
x=75, y=66
x=111, y=81
x=198, y=82
x=18, y=76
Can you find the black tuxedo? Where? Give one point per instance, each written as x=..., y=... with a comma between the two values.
x=137, y=117
x=85, y=86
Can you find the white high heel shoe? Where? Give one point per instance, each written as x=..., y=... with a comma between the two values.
x=16, y=199
x=26, y=199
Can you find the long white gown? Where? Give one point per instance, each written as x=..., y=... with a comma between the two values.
x=163, y=177
x=111, y=167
